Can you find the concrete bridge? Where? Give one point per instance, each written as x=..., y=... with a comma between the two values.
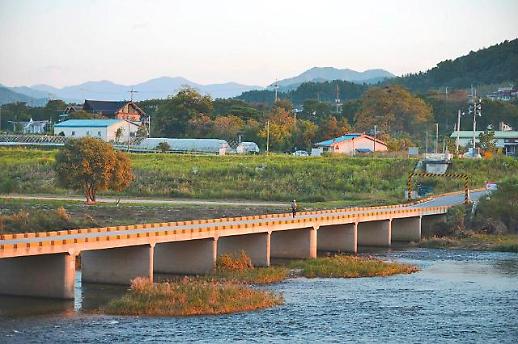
x=43, y=264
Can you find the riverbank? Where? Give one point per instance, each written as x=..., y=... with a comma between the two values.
x=269, y=178
x=475, y=241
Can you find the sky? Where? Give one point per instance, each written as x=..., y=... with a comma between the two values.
x=254, y=42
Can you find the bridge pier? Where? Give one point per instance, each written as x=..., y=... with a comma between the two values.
x=294, y=243
x=429, y=222
x=406, y=229
x=338, y=238
x=256, y=246
x=374, y=233
x=186, y=257
x=117, y=265
x=48, y=275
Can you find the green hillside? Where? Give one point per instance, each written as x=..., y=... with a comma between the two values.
x=493, y=65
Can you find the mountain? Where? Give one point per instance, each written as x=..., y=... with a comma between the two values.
x=7, y=95
x=321, y=74
x=151, y=89
x=494, y=65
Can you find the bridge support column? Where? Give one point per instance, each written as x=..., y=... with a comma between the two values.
x=186, y=257
x=117, y=265
x=406, y=229
x=338, y=238
x=429, y=222
x=49, y=275
x=256, y=246
x=374, y=233
x=295, y=243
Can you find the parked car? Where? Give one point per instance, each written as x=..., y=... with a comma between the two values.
x=300, y=153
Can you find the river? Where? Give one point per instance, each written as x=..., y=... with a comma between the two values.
x=458, y=296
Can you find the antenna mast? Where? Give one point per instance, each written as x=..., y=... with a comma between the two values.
x=337, y=99
x=131, y=93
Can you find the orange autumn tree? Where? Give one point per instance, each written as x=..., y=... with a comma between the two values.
x=91, y=165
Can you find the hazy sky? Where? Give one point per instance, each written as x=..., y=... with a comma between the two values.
x=64, y=42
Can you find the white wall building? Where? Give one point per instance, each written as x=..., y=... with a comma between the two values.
x=105, y=129
x=507, y=140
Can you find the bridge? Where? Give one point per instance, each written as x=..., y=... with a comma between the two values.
x=43, y=264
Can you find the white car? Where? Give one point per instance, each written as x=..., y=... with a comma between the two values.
x=300, y=153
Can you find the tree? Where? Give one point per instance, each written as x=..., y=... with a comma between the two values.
x=330, y=128
x=81, y=114
x=118, y=134
x=200, y=126
x=91, y=165
x=487, y=142
x=305, y=134
x=282, y=125
x=172, y=117
x=228, y=127
x=394, y=110
x=163, y=147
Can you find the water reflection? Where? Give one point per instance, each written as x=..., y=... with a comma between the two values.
x=460, y=296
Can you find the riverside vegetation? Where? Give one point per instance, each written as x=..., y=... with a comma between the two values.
x=276, y=177
x=228, y=290
x=492, y=224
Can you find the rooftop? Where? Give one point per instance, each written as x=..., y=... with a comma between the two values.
x=87, y=123
x=346, y=137
x=511, y=134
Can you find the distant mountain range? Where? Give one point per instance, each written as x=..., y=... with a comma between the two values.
x=107, y=90
x=322, y=74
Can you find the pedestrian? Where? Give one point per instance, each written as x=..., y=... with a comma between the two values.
x=294, y=208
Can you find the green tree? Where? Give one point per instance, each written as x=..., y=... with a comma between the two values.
x=487, y=142
x=305, y=134
x=91, y=165
x=172, y=117
x=282, y=126
x=163, y=147
x=394, y=110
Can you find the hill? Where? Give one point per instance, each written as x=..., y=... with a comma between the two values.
x=152, y=89
x=323, y=91
x=493, y=65
x=9, y=96
x=322, y=74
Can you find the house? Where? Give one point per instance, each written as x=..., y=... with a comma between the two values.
x=126, y=110
x=105, y=129
x=115, y=109
x=351, y=144
x=507, y=140
x=30, y=127
x=504, y=94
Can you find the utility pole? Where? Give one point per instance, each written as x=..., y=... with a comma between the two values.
x=476, y=108
x=426, y=143
x=337, y=99
x=267, y=137
x=436, y=137
x=457, y=142
x=375, y=129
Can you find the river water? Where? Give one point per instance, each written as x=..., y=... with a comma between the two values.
x=458, y=296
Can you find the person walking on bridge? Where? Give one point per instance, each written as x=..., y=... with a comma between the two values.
x=294, y=208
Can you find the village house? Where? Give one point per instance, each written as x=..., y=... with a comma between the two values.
x=351, y=144
x=125, y=110
x=109, y=130
x=30, y=127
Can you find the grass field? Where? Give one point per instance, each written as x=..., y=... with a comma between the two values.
x=273, y=178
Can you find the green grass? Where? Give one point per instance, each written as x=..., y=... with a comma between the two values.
x=358, y=180
x=189, y=297
x=475, y=241
x=350, y=267
x=239, y=268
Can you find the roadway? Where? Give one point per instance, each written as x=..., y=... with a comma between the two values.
x=446, y=200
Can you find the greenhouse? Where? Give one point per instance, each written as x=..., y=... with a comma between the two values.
x=213, y=146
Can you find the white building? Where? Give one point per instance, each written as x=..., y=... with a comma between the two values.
x=105, y=129
x=507, y=140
